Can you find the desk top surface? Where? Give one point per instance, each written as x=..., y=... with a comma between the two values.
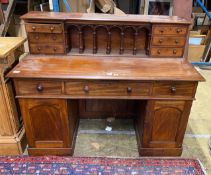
x=52, y=16
x=105, y=68
x=8, y=44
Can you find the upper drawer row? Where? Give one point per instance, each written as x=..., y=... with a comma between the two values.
x=87, y=88
x=44, y=28
x=58, y=28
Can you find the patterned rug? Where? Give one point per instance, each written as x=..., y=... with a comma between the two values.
x=99, y=166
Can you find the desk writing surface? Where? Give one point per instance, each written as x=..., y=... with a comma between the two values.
x=111, y=68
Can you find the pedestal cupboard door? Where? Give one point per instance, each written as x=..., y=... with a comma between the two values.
x=46, y=122
x=165, y=123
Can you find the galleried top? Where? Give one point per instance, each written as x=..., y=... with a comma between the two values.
x=103, y=17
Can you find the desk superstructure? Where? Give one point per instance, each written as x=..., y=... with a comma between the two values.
x=83, y=57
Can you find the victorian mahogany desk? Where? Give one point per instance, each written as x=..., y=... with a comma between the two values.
x=80, y=63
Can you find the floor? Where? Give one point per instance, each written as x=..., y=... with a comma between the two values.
x=94, y=140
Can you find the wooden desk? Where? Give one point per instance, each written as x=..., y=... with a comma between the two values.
x=49, y=89
x=99, y=64
x=12, y=133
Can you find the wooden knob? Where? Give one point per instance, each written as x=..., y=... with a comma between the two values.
x=54, y=49
x=173, y=89
x=86, y=88
x=54, y=37
x=158, y=51
x=36, y=37
x=174, y=51
x=179, y=30
x=39, y=49
x=33, y=28
x=52, y=28
x=176, y=41
x=129, y=89
x=39, y=88
x=161, y=30
x=160, y=41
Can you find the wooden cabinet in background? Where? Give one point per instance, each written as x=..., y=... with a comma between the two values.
x=12, y=133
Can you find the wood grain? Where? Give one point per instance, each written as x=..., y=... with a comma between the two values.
x=96, y=68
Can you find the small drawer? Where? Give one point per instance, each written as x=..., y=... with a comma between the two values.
x=44, y=28
x=166, y=52
x=47, y=48
x=38, y=87
x=168, y=41
x=45, y=38
x=170, y=30
x=174, y=89
x=107, y=88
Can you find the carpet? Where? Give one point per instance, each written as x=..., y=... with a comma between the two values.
x=99, y=166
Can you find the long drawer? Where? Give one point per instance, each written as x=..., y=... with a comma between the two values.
x=107, y=88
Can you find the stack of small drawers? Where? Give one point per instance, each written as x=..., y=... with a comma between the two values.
x=46, y=38
x=168, y=41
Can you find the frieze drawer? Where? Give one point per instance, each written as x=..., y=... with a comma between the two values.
x=107, y=88
x=44, y=28
x=174, y=89
x=38, y=87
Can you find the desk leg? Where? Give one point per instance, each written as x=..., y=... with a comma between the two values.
x=161, y=127
x=50, y=125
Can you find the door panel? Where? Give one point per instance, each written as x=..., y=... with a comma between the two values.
x=165, y=123
x=46, y=122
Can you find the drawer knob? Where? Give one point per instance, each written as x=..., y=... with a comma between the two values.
x=33, y=28
x=179, y=30
x=160, y=41
x=129, y=89
x=161, y=30
x=173, y=89
x=39, y=49
x=54, y=38
x=54, y=49
x=86, y=88
x=52, y=28
x=174, y=51
x=158, y=51
x=176, y=41
x=36, y=37
x=39, y=88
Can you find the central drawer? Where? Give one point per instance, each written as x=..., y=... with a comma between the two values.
x=107, y=88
